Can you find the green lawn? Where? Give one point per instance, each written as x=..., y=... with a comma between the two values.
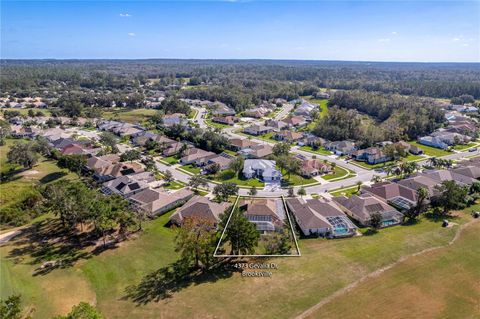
x=431, y=151
x=345, y=191
x=320, y=150
x=339, y=173
x=190, y=168
x=230, y=176
x=128, y=115
x=103, y=278
x=409, y=158
x=418, y=283
x=174, y=185
x=295, y=180
x=14, y=189
x=322, y=103
x=216, y=125
x=170, y=160
x=461, y=147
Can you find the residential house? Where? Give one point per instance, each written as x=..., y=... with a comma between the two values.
x=340, y=147
x=296, y=121
x=78, y=149
x=262, y=169
x=156, y=202
x=397, y=195
x=371, y=155
x=257, y=151
x=223, y=161
x=313, y=141
x=450, y=175
x=105, y=172
x=433, y=142
x=276, y=125
x=472, y=171
x=320, y=217
x=200, y=207
x=220, y=109
x=362, y=207
x=193, y=155
x=258, y=112
x=421, y=181
x=266, y=214
x=237, y=144
x=174, y=119
x=413, y=149
x=305, y=109
x=174, y=148
x=313, y=167
x=257, y=129
x=227, y=120
x=128, y=185
x=288, y=136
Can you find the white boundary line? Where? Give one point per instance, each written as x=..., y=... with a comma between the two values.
x=228, y=221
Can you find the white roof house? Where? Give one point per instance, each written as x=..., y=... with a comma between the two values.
x=263, y=169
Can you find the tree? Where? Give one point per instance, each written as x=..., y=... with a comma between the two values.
x=241, y=234
x=452, y=196
x=213, y=168
x=4, y=131
x=375, y=221
x=302, y=191
x=109, y=140
x=195, y=241
x=291, y=192
x=252, y=191
x=225, y=190
x=197, y=181
x=149, y=163
x=278, y=243
x=10, y=307
x=281, y=149
x=42, y=146
x=236, y=165
x=23, y=154
x=359, y=185
x=74, y=162
x=168, y=177
x=130, y=155
x=413, y=212
x=82, y=311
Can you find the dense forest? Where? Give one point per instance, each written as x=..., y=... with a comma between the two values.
x=239, y=83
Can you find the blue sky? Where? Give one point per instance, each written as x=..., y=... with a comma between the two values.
x=430, y=31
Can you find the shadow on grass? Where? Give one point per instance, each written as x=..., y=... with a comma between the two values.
x=48, y=245
x=12, y=175
x=52, y=177
x=166, y=281
x=370, y=232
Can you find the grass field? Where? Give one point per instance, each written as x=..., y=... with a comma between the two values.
x=170, y=160
x=216, y=125
x=322, y=103
x=409, y=158
x=461, y=147
x=174, y=185
x=429, y=284
x=345, y=191
x=190, y=168
x=325, y=267
x=431, y=151
x=17, y=186
x=131, y=116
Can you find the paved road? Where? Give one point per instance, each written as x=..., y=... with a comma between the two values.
x=284, y=112
x=5, y=237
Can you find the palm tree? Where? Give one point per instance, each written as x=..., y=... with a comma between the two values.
x=359, y=185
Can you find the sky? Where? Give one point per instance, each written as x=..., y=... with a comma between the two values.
x=423, y=31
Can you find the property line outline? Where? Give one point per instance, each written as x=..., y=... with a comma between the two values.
x=299, y=254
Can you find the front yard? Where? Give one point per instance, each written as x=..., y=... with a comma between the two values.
x=228, y=176
x=409, y=158
x=430, y=151
x=320, y=150
x=339, y=173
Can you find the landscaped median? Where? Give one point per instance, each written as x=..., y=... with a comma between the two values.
x=339, y=174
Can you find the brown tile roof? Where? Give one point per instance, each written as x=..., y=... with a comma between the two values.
x=200, y=207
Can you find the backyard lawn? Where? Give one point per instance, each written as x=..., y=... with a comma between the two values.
x=174, y=185
x=107, y=278
x=345, y=191
x=216, y=125
x=431, y=151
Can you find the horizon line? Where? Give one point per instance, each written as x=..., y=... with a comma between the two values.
x=233, y=59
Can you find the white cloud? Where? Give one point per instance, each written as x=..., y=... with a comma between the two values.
x=131, y=34
x=384, y=40
x=456, y=39
x=125, y=15
x=394, y=32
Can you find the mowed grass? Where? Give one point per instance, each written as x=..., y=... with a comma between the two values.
x=325, y=267
x=439, y=284
x=130, y=116
x=338, y=173
x=431, y=151
x=228, y=176
x=408, y=158
x=44, y=172
x=45, y=112
x=320, y=151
